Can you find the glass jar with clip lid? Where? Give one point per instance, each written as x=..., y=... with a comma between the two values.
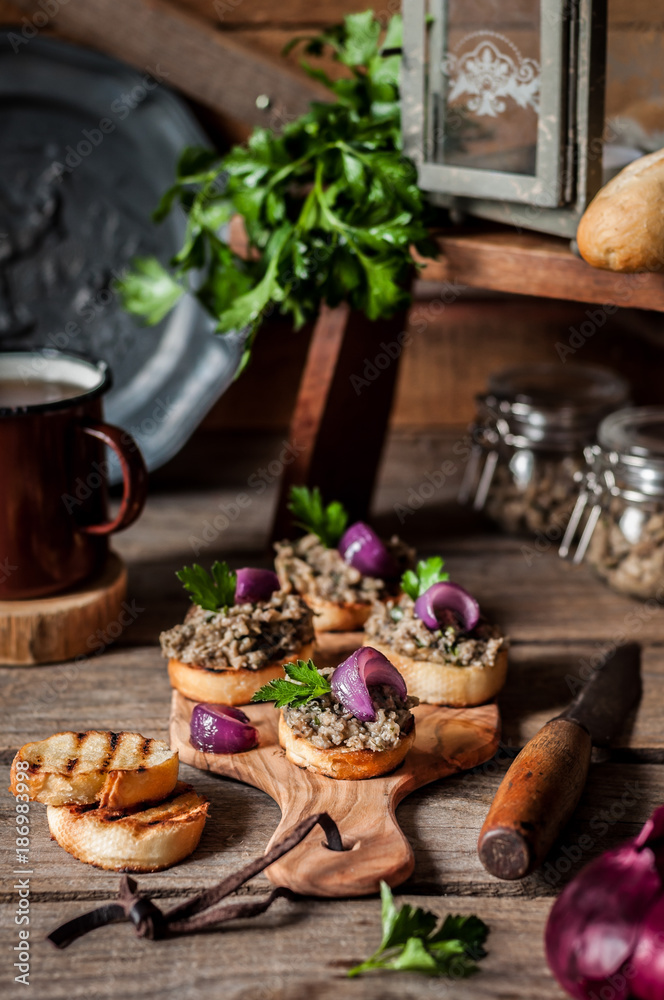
x=622, y=499
x=529, y=437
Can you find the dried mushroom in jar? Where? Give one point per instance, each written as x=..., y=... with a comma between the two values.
x=627, y=548
x=534, y=493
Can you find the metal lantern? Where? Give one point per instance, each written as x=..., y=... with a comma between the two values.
x=503, y=106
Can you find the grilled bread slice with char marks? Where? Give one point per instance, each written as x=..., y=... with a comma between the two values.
x=117, y=770
x=137, y=840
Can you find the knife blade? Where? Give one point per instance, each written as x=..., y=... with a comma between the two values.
x=544, y=783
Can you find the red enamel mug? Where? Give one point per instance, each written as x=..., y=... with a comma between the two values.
x=54, y=521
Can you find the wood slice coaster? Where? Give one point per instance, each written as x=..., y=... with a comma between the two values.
x=54, y=629
x=448, y=740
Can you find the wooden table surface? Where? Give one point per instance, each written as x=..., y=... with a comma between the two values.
x=556, y=615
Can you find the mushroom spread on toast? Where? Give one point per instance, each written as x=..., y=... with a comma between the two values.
x=436, y=636
x=351, y=722
x=237, y=635
x=338, y=570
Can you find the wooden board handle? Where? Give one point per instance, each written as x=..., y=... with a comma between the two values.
x=447, y=740
x=375, y=846
x=536, y=798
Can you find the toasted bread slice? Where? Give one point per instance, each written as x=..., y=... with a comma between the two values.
x=139, y=840
x=448, y=684
x=340, y=762
x=228, y=687
x=117, y=770
x=331, y=616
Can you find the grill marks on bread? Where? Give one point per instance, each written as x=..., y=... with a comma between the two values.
x=142, y=839
x=180, y=800
x=114, y=799
x=80, y=753
x=114, y=769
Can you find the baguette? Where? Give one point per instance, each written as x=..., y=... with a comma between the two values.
x=623, y=227
x=117, y=770
x=340, y=762
x=227, y=687
x=143, y=840
x=448, y=684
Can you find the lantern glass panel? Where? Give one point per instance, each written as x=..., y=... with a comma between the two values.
x=502, y=106
x=488, y=98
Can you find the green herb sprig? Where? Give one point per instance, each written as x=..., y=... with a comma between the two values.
x=305, y=685
x=328, y=522
x=429, y=571
x=211, y=592
x=330, y=205
x=411, y=942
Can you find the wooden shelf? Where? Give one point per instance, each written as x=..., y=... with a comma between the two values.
x=504, y=260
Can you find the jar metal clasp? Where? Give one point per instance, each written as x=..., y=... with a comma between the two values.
x=594, y=485
x=484, y=455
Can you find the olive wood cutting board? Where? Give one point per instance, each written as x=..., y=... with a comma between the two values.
x=447, y=740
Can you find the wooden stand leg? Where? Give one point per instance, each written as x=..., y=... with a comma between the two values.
x=342, y=410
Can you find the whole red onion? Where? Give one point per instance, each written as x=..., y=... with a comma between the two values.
x=606, y=929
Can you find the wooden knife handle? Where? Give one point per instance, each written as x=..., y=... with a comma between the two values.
x=536, y=798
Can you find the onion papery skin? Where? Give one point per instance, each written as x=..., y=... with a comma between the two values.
x=598, y=922
x=254, y=585
x=350, y=681
x=434, y=606
x=362, y=549
x=653, y=829
x=645, y=969
x=221, y=729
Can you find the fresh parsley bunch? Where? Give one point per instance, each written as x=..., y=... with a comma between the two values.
x=314, y=517
x=428, y=571
x=304, y=685
x=212, y=592
x=411, y=942
x=330, y=205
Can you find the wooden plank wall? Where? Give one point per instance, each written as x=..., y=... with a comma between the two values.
x=451, y=350
x=636, y=34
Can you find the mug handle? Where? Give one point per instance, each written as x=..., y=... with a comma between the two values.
x=134, y=476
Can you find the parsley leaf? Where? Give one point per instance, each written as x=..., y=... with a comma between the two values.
x=212, y=593
x=149, y=290
x=429, y=571
x=305, y=685
x=411, y=944
x=329, y=522
x=400, y=925
x=330, y=205
x=470, y=930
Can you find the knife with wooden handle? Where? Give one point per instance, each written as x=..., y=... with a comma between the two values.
x=543, y=785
